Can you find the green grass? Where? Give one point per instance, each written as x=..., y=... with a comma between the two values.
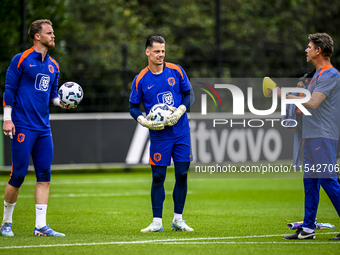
x=103, y=213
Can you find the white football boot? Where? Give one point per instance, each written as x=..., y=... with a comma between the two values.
x=153, y=227
x=181, y=225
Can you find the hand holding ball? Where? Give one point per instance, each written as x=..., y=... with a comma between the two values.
x=70, y=94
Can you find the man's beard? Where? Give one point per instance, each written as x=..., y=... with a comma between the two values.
x=49, y=45
x=159, y=64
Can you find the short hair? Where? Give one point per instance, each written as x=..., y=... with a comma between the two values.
x=35, y=27
x=324, y=41
x=152, y=39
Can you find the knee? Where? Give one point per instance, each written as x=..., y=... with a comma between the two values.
x=43, y=176
x=158, y=178
x=182, y=177
x=17, y=180
x=43, y=184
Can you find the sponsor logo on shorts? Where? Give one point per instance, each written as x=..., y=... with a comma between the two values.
x=21, y=137
x=157, y=157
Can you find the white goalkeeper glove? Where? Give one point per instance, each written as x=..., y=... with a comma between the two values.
x=150, y=116
x=175, y=115
x=154, y=125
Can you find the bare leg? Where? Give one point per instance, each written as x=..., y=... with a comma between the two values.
x=42, y=190
x=11, y=194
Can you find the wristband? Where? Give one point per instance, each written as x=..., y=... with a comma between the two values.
x=56, y=101
x=141, y=119
x=7, y=113
x=183, y=108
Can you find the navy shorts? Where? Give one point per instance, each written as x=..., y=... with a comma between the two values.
x=179, y=149
x=319, y=158
x=27, y=143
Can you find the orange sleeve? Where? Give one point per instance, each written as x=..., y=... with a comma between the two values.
x=140, y=76
x=24, y=55
x=176, y=67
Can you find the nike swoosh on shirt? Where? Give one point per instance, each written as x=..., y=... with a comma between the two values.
x=318, y=148
x=32, y=65
x=151, y=86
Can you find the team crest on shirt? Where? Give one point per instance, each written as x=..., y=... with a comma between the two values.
x=171, y=81
x=42, y=82
x=51, y=68
x=166, y=98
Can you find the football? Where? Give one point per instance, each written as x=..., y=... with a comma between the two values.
x=70, y=94
x=161, y=111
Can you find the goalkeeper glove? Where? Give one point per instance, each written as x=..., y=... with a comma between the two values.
x=150, y=116
x=175, y=115
x=154, y=125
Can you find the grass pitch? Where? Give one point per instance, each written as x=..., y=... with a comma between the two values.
x=103, y=213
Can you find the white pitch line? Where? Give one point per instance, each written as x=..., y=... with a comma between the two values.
x=283, y=242
x=181, y=241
